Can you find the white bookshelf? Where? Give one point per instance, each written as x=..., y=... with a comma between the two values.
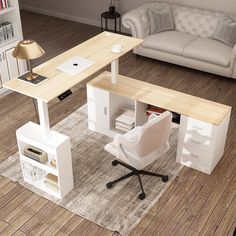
x=57, y=146
x=9, y=66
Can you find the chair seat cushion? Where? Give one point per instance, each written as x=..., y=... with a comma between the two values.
x=209, y=50
x=135, y=161
x=169, y=41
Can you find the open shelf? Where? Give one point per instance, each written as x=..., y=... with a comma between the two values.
x=42, y=186
x=38, y=138
x=57, y=147
x=45, y=166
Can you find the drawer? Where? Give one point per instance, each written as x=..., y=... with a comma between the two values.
x=194, y=158
x=198, y=141
x=197, y=127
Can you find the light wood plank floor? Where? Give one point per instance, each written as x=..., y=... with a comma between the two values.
x=194, y=204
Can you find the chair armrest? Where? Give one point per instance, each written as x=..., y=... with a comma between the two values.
x=233, y=62
x=138, y=23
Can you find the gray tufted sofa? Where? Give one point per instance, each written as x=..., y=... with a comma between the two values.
x=190, y=44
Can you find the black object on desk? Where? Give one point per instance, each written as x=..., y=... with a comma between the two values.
x=110, y=15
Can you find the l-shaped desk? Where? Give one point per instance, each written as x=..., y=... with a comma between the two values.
x=203, y=125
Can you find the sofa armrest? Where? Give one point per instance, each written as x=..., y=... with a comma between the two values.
x=233, y=62
x=138, y=23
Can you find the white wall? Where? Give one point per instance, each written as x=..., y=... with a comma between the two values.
x=88, y=11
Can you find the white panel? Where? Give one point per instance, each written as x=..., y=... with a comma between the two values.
x=197, y=127
x=194, y=158
x=12, y=64
x=140, y=113
x=98, y=109
x=3, y=69
x=198, y=141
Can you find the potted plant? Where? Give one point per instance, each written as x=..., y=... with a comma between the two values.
x=112, y=7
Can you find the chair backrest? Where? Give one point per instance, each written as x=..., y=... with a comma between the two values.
x=154, y=134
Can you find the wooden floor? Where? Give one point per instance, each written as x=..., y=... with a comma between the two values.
x=194, y=204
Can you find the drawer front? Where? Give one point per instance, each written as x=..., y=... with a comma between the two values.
x=197, y=141
x=196, y=127
x=194, y=158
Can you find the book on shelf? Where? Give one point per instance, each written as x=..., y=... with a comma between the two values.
x=6, y=31
x=51, y=181
x=126, y=120
x=122, y=128
x=117, y=123
x=4, y=4
x=154, y=110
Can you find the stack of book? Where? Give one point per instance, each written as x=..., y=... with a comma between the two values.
x=6, y=31
x=51, y=181
x=126, y=120
x=4, y=4
x=154, y=110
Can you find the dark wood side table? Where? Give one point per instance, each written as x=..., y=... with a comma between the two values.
x=111, y=16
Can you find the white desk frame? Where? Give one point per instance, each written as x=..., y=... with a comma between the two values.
x=43, y=106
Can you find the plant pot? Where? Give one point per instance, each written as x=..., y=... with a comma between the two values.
x=112, y=9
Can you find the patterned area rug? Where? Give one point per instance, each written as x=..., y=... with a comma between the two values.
x=117, y=209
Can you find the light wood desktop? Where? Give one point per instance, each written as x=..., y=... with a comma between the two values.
x=203, y=124
x=97, y=49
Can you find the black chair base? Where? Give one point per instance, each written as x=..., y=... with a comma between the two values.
x=136, y=172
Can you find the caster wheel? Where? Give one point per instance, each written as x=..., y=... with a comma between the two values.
x=165, y=178
x=109, y=185
x=141, y=196
x=115, y=163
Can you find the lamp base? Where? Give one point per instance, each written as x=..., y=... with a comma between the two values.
x=33, y=79
x=31, y=76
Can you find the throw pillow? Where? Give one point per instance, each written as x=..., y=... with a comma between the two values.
x=160, y=19
x=226, y=31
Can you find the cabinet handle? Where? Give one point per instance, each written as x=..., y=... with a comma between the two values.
x=199, y=128
x=3, y=56
x=193, y=141
x=105, y=110
x=194, y=155
x=0, y=57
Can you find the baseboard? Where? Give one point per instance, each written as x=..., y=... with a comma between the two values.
x=61, y=15
x=4, y=92
x=67, y=17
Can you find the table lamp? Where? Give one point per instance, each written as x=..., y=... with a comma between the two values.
x=28, y=50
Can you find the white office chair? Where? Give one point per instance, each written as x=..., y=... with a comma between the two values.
x=140, y=147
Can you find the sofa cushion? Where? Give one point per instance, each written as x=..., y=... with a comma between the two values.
x=195, y=21
x=169, y=41
x=226, y=31
x=209, y=50
x=160, y=19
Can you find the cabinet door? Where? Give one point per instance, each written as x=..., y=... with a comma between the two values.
x=12, y=64
x=98, y=109
x=3, y=69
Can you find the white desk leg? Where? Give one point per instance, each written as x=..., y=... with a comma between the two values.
x=114, y=71
x=43, y=115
